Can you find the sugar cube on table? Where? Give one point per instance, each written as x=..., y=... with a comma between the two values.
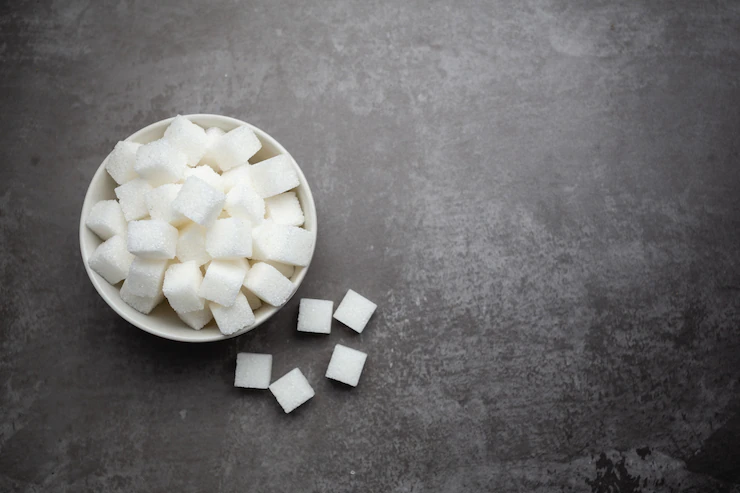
x=181, y=285
x=223, y=281
x=132, y=198
x=252, y=299
x=291, y=390
x=188, y=138
x=243, y=202
x=315, y=316
x=236, y=176
x=213, y=135
x=206, y=174
x=270, y=285
x=120, y=162
x=159, y=162
x=284, y=209
x=253, y=370
x=106, y=219
x=273, y=176
x=145, y=276
x=232, y=319
x=282, y=243
x=285, y=269
x=354, y=311
x=191, y=244
x=235, y=147
x=159, y=204
x=199, y=201
x=111, y=260
x=143, y=304
x=229, y=238
x=346, y=365
x=198, y=319
x=152, y=238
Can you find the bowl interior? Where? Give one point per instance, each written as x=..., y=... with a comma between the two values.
x=163, y=321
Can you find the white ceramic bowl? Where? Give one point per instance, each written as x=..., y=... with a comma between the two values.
x=163, y=321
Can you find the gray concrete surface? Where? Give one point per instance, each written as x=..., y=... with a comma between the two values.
x=543, y=197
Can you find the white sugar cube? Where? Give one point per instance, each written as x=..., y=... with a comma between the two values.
x=229, y=238
x=106, y=219
x=111, y=260
x=159, y=162
x=191, y=244
x=145, y=276
x=252, y=299
x=120, y=162
x=159, y=204
x=213, y=135
x=199, y=201
x=132, y=197
x=222, y=282
x=346, y=365
x=243, y=202
x=143, y=304
x=188, y=138
x=273, y=176
x=270, y=285
x=233, y=318
x=235, y=147
x=253, y=370
x=284, y=269
x=206, y=174
x=197, y=319
x=282, y=243
x=181, y=285
x=152, y=238
x=284, y=209
x=354, y=311
x=236, y=176
x=291, y=390
x=315, y=316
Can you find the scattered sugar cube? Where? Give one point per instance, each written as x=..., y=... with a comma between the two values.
x=145, y=276
x=188, y=138
x=229, y=238
x=222, y=282
x=132, y=198
x=291, y=390
x=181, y=285
x=120, y=162
x=236, y=176
x=159, y=204
x=284, y=209
x=206, y=174
x=197, y=319
x=282, y=243
x=111, y=260
x=243, y=202
x=199, y=201
x=236, y=147
x=191, y=244
x=152, y=238
x=273, y=176
x=253, y=370
x=270, y=285
x=143, y=304
x=106, y=219
x=159, y=162
x=354, y=311
x=213, y=135
x=252, y=299
x=233, y=318
x=315, y=316
x=346, y=365
x=284, y=269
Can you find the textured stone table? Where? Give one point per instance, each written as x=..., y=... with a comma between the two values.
x=542, y=197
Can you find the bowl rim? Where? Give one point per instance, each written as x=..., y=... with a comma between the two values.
x=116, y=304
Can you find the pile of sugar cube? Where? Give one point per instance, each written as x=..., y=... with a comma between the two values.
x=254, y=370
x=196, y=223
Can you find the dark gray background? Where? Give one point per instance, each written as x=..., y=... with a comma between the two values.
x=542, y=197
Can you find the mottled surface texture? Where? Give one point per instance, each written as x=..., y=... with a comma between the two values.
x=542, y=197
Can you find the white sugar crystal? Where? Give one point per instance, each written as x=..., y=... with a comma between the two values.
x=222, y=282
x=181, y=285
x=354, y=311
x=284, y=209
x=315, y=316
x=235, y=147
x=197, y=319
x=282, y=243
x=188, y=138
x=106, y=219
x=120, y=162
x=159, y=204
x=273, y=176
x=229, y=238
x=199, y=201
x=159, y=162
x=152, y=238
x=206, y=174
x=346, y=365
x=284, y=269
x=213, y=135
x=233, y=318
x=252, y=299
x=191, y=244
x=111, y=260
x=132, y=197
x=253, y=370
x=270, y=285
x=236, y=176
x=243, y=202
x=291, y=390
x=145, y=277
x=143, y=304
